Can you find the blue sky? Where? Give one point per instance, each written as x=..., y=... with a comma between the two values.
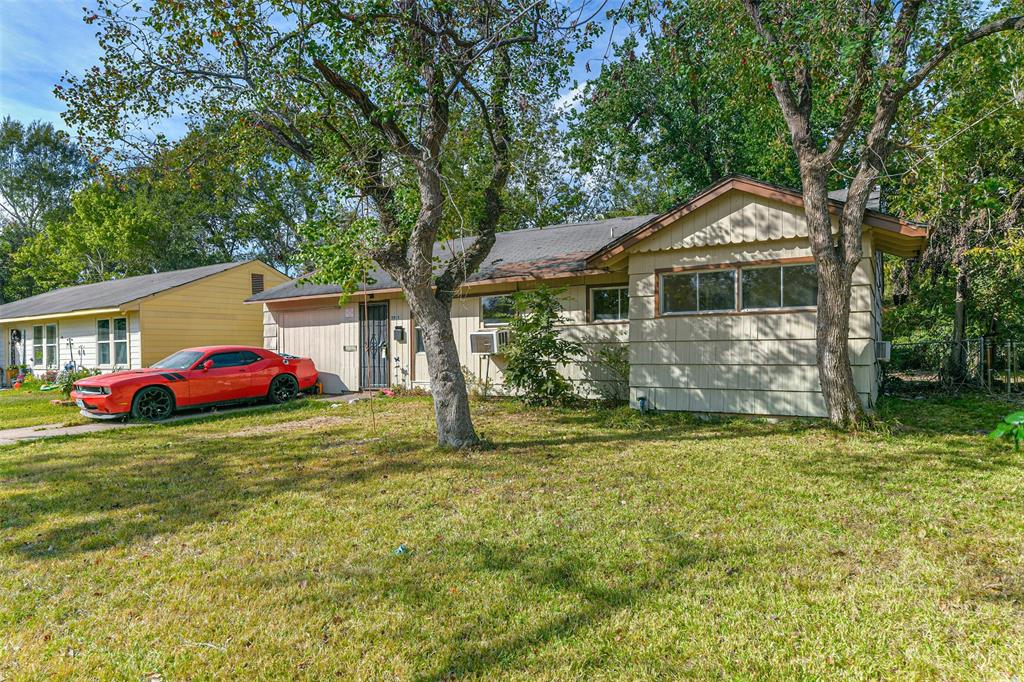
x=41, y=39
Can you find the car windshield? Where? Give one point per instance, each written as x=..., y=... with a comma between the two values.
x=183, y=359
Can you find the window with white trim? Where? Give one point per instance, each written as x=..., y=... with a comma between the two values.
x=121, y=341
x=37, y=345
x=609, y=304
x=112, y=342
x=780, y=286
x=696, y=292
x=102, y=342
x=52, y=347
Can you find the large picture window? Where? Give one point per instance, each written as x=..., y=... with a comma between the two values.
x=496, y=310
x=609, y=304
x=694, y=292
x=788, y=286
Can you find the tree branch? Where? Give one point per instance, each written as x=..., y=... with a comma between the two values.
x=1008, y=24
x=371, y=112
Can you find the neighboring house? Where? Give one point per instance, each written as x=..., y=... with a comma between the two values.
x=714, y=300
x=133, y=322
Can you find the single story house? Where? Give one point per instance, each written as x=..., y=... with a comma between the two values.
x=714, y=302
x=132, y=322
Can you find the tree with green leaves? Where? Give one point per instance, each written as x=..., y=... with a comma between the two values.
x=675, y=110
x=840, y=73
x=370, y=94
x=199, y=202
x=961, y=170
x=39, y=170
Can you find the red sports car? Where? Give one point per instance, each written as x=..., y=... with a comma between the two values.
x=195, y=377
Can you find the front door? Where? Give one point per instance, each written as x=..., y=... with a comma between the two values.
x=373, y=344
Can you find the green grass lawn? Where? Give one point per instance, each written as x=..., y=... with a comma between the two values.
x=580, y=545
x=26, y=407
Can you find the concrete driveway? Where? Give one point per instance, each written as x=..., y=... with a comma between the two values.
x=28, y=433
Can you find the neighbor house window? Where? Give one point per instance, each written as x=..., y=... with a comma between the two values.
x=52, y=349
x=103, y=342
x=37, y=344
x=419, y=342
x=112, y=341
x=788, y=286
x=496, y=310
x=609, y=303
x=120, y=341
x=694, y=292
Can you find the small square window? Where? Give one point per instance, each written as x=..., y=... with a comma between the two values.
x=496, y=310
x=609, y=303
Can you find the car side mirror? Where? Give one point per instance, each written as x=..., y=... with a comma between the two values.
x=208, y=365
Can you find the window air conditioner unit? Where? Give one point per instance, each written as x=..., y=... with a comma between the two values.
x=883, y=351
x=490, y=342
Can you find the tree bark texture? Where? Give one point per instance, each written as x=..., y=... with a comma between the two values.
x=447, y=383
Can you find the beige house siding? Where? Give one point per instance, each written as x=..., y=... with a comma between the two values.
x=322, y=328
x=746, y=362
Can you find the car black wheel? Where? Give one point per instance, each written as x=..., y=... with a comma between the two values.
x=153, y=404
x=283, y=388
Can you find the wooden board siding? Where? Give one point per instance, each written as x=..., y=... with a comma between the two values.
x=748, y=362
x=80, y=331
x=210, y=311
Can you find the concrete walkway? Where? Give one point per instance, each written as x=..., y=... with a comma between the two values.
x=38, y=432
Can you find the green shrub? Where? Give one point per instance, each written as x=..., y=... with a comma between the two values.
x=1011, y=428
x=536, y=349
x=66, y=379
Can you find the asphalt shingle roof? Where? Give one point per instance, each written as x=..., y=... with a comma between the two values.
x=110, y=294
x=519, y=253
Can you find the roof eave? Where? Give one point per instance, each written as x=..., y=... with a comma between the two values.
x=56, y=316
x=496, y=281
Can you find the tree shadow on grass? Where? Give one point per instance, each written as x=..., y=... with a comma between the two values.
x=598, y=594
x=97, y=499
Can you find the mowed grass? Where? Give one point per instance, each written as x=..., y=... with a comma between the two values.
x=580, y=545
x=28, y=407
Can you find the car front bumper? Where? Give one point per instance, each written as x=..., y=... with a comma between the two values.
x=99, y=406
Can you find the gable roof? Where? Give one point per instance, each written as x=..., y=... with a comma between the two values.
x=903, y=238
x=520, y=254
x=110, y=294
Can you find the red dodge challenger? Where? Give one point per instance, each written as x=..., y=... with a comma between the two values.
x=195, y=377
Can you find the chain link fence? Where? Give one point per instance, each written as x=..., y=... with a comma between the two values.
x=994, y=365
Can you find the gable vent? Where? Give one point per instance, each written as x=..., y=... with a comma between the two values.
x=257, y=283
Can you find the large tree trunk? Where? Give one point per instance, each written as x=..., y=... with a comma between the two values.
x=833, y=334
x=836, y=266
x=447, y=383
